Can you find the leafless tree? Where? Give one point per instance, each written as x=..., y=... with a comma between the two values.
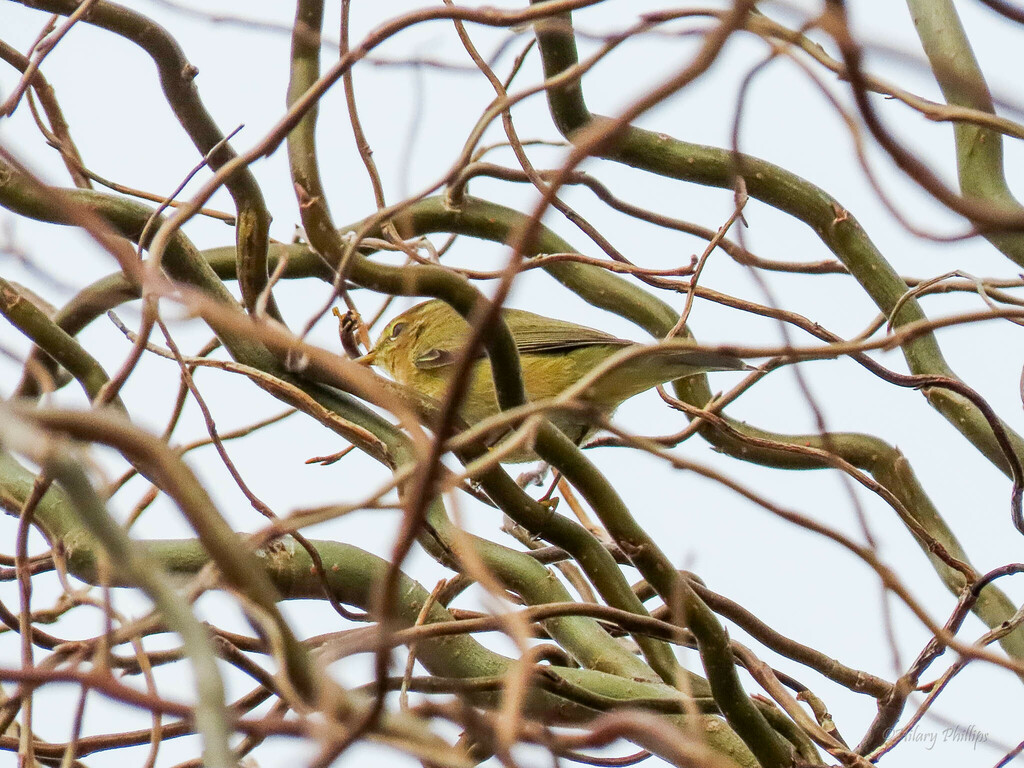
x=592, y=656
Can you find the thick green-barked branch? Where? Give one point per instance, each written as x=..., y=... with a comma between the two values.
x=354, y=576
x=840, y=232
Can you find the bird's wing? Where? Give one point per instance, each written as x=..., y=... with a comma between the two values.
x=545, y=335
x=533, y=334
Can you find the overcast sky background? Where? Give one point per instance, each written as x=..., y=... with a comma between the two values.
x=801, y=584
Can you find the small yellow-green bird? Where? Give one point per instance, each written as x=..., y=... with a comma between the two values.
x=419, y=348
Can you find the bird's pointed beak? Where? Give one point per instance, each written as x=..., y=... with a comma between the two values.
x=367, y=359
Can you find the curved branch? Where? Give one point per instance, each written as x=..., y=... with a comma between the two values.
x=177, y=76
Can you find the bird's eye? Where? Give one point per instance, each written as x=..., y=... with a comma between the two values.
x=397, y=329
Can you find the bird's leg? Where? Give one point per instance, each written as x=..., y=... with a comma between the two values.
x=535, y=476
x=581, y=514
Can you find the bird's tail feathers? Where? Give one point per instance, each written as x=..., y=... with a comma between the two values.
x=713, y=361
